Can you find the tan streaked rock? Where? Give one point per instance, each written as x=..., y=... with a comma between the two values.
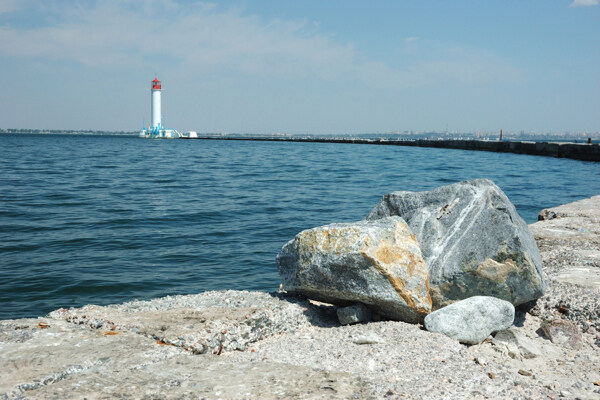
x=377, y=263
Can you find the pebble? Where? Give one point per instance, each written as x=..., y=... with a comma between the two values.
x=480, y=360
x=591, y=330
x=369, y=338
x=353, y=314
x=562, y=332
x=524, y=372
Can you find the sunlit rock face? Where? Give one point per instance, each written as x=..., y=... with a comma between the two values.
x=473, y=242
x=377, y=263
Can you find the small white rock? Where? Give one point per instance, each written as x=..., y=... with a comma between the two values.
x=472, y=320
x=369, y=338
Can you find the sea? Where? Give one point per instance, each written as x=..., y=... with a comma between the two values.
x=108, y=219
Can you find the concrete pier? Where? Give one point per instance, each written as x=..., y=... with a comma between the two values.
x=577, y=151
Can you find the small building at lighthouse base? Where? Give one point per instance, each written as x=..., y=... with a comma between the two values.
x=159, y=133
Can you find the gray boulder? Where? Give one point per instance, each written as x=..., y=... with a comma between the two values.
x=472, y=320
x=377, y=263
x=473, y=242
x=353, y=314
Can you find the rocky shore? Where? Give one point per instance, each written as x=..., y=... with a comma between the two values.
x=238, y=345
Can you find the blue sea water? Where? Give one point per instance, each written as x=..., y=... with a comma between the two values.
x=101, y=219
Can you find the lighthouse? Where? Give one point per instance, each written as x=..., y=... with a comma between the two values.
x=155, y=105
x=156, y=130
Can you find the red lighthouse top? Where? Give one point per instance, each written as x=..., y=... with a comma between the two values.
x=156, y=84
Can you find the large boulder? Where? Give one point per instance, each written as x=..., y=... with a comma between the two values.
x=472, y=320
x=377, y=263
x=473, y=242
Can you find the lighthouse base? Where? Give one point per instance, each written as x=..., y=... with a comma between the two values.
x=159, y=134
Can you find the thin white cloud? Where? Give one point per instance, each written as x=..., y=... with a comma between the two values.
x=205, y=38
x=584, y=3
x=110, y=34
x=7, y=6
x=453, y=65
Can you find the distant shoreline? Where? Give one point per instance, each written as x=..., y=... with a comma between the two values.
x=558, y=149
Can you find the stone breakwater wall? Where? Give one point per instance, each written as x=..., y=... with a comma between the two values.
x=577, y=151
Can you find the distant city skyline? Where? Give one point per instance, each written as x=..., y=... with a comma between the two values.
x=307, y=67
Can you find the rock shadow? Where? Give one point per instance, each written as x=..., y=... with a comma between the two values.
x=520, y=317
x=322, y=315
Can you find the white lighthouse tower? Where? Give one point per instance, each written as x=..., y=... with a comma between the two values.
x=156, y=129
x=155, y=104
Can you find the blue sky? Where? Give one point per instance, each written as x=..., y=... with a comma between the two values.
x=321, y=67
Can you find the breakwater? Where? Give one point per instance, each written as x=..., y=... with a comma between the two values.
x=577, y=151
